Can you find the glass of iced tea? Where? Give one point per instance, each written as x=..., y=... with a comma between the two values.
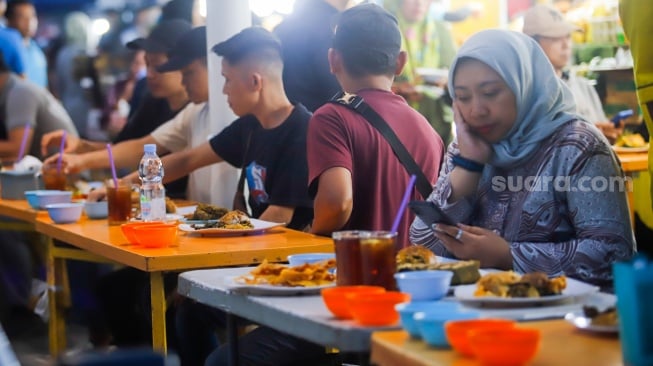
x=348, y=257
x=119, y=200
x=378, y=259
x=53, y=178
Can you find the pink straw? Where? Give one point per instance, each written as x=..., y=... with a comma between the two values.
x=23, y=142
x=61, y=147
x=404, y=203
x=113, y=167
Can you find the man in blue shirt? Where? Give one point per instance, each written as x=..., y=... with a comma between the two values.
x=10, y=46
x=21, y=16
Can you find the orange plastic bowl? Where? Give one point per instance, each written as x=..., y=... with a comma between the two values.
x=128, y=230
x=506, y=347
x=156, y=236
x=336, y=298
x=457, y=331
x=377, y=308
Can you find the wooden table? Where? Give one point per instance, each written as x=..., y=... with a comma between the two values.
x=561, y=344
x=95, y=240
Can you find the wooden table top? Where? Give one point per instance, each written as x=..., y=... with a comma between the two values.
x=20, y=210
x=634, y=162
x=561, y=344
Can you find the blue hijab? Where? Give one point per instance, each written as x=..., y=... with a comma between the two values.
x=543, y=102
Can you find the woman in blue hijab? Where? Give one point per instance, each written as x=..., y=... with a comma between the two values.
x=535, y=187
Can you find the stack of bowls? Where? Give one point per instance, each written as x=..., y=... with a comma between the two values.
x=150, y=234
x=424, y=285
x=376, y=309
x=45, y=198
x=96, y=210
x=336, y=298
x=65, y=213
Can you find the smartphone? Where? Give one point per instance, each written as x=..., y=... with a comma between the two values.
x=430, y=213
x=616, y=120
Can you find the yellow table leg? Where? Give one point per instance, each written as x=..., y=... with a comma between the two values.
x=56, y=325
x=158, y=301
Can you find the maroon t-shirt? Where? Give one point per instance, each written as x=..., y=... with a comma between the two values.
x=340, y=137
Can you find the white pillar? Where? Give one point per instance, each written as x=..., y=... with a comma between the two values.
x=224, y=18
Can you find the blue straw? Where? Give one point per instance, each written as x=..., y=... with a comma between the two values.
x=404, y=203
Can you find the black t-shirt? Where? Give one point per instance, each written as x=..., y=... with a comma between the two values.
x=274, y=162
x=150, y=114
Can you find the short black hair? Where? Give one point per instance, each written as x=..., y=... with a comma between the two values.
x=11, y=7
x=250, y=41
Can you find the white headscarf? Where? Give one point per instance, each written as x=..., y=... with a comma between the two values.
x=544, y=102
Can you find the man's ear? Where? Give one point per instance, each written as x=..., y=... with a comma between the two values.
x=402, y=58
x=256, y=81
x=335, y=61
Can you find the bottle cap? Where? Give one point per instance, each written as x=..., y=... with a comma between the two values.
x=149, y=148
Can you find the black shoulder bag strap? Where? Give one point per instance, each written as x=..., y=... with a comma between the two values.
x=357, y=104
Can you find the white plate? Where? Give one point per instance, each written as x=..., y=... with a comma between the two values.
x=270, y=290
x=623, y=149
x=575, y=289
x=169, y=217
x=186, y=210
x=259, y=227
x=580, y=321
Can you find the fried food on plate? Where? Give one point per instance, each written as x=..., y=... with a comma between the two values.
x=306, y=275
x=419, y=258
x=510, y=284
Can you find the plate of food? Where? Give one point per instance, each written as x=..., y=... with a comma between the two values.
x=231, y=223
x=630, y=143
x=594, y=320
x=509, y=289
x=272, y=279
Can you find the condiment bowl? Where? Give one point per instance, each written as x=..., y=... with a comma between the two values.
x=376, y=309
x=48, y=197
x=336, y=298
x=31, y=197
x=424, y=285
x=65, y=213
x=458, y=331
x=505, y=347
x=156, y=236
x=96, y=210
x=431, y=324
x=128, y=230
x=408, y=310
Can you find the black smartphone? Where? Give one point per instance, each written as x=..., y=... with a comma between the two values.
x=430, y=213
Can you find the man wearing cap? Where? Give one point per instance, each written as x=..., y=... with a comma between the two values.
x=268, y=141
x=553, y=33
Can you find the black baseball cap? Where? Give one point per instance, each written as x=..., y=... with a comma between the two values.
x=249, y=39
x=162, y=37
x=368, y=35
x=188, y=48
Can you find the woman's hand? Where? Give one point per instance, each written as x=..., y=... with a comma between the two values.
x=470, y=145
x=473, y=242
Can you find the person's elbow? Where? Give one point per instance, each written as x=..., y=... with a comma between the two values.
x=331, y=214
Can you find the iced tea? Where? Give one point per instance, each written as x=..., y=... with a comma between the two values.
x=378, y=259
x=54, y=178
x=348, y=258
x=120, y=204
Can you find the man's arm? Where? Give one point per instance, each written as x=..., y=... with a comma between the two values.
x=11, y=146
x=333, y=201
x=278, y=214
x=126, y=154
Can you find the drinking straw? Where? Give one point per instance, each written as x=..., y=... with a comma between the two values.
x=404, y=203
x=23, y=142
x=61, y=147
x=113, y=167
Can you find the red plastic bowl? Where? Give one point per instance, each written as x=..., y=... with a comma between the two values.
x=376, y=309
x=128, y=230
x=335, y=298
x=506, y=347
x=457, y=331
x=156, y=236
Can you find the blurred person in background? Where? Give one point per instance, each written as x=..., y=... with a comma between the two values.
x=305, y=38
x=10, y=45
x=429, y=44
x=636, y=19
x=21, y=15
x=70, y=66
x=552, y=32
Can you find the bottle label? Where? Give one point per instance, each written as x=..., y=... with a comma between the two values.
x=153, y=207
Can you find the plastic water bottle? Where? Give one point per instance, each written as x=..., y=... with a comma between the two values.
x=152, y=197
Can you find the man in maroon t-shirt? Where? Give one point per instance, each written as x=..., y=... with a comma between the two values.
x=357, y=180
